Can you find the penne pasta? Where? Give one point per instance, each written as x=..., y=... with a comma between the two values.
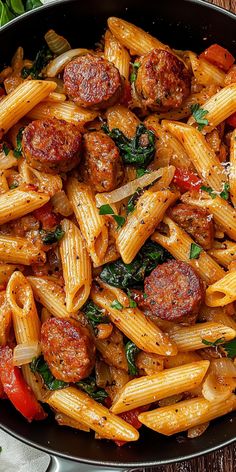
x=5, y=319
x=200, y=153
x=221, y=105
x=232, y=173
x=46, y=183
x=179, y=417
x=114, y=52
x=16, y=203
x=132, y=322
x=122, y=118
x=50, y=295
x=67, y=111
x=92, y=225
x=205, y=72
x=140, y=224
x=190, y=338
x=5, y=273
x=80, y=407
x=133, y=38
x=217, y=315
x=16, y=250
x=35, y=382
x=223, y=291
x=224, y=253
x=17, y=104
x=64, y=420
x=76, y=267
x=151, y=388
x=179, y=243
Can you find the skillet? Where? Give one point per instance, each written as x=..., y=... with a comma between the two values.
x=186, y=24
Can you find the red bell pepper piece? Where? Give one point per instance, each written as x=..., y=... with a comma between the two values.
x=131, y=417
x=46, y=216
x=218, y=56
x=186, y=180
x=16, y=389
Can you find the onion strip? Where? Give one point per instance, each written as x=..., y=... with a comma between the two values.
x=24, y=353
x=130, y=188
x=58, y=64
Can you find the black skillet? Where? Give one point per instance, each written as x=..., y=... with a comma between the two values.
x=184, y=24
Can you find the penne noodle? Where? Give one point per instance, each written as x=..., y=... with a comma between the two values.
x=80, y=407
x=16, y=250
x=190, y=338
x=47, y=183
x=5, y=272
x=64, y=420
x=114, y=52
x=205, y=72
x=55, y=97
x=92, y=225
x=232, y=173
x=35, y=382
x=67, y=111
x=180, y=359
x=4, y=187
x=5, y=319
x=200, y=153
x=132, y=322
x=122, y=118
x=178, y=243
x=140, y=224
x=17, y=104
x=224, y=253
x=16, y=203
x=186, y=414
x=224, y=214
x=24, y=313
x=149, y=389
x=223, y=291
x=134, y=38
x=221, y=105
x=50, y=295
x=218, y=315
x=76, y=267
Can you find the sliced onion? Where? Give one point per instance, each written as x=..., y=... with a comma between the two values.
x=213, y=390
x=56, y=43
x=24, y=353
x=130, y=188
x=197, y=430
x=58, y=64
x=223, y=367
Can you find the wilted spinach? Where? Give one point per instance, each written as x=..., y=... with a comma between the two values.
x=139, y=150
x=43, y=57
x=18, y=150
x=39, y=365
x=51, y=237
x=10, y=9
x=131, y=350
x=94, y=314
x=89, y=386
x=124, y=275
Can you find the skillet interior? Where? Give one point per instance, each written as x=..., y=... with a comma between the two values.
x=182, y=24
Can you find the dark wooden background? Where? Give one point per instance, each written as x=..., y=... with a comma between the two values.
x=224, y=460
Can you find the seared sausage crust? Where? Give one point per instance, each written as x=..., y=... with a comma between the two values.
x=52, y=145
x=162, y=81
x=174, y=292
x=92, y=81
x=102, y=166
x=68, y=349
x=196, y=221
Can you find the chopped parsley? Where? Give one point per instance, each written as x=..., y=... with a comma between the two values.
x=117, y=305
x=140, y=172
x=5, y=149
x=195, y=251
x=133, y=76
x=107, y=210
x=132, y=303
x=131, y=350
x=223, y=194
x=230, y=348
x=51, y=237
x=213, y=343
x=14, y=185
x=18, y=150
x=198, y=114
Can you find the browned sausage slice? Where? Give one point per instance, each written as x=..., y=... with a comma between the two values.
x=52, y=145
x=162, y=81
x=68, y=349
x=174, y=292
x=92, y=81
x=196, y=221
x=102, y=166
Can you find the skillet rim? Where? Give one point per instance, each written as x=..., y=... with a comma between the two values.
x=48, y=450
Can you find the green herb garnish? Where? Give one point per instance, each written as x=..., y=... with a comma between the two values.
x=230, y=348
x=18, y=150
x=132, y=303
x=117, y=305
x=89, y=386
x=195, y=251
x=39, y=365
x=131, y=350
x=51, y=237
x=140, y=172
x=135, y=66
x=198, y=114
x=43, y=57
x=94, y=314
x=133, y=200
x=209, y=190
x=107, y=210
x=213, y=343
x=225, y=192
x=5, y=149
x=10, y=9
x=14, y=185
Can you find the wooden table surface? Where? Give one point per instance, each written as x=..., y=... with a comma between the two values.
x=224, y=460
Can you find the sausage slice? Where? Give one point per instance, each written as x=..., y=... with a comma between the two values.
x=92, y=81
x=52, y=145
x=102, y=166
x=68, y=349
x=174, y=292
x=196, y=221
x=163, y=81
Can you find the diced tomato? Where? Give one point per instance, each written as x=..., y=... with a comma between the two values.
x=218, y=56
x=131, y=417
x=16, y=389
x=232, y=120
x=46, y=216
x=186, y=180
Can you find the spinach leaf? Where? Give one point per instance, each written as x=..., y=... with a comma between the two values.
x=94, y=314
x=31, y=4
x=117, y=305
x=131, y=350
x=133, y=200
x=89, y=386
x=141, y=171
x=107, y=210
x=135, y=66
x=39, y=365
x=43, y=57
x=18, y=150
x=124, y=275
x=225, y=192
x=213, y=343
x=230, y=348
x=5, y=149
x=51, y=237
x=10, y=9
x=138, y=151
x=198, y=114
